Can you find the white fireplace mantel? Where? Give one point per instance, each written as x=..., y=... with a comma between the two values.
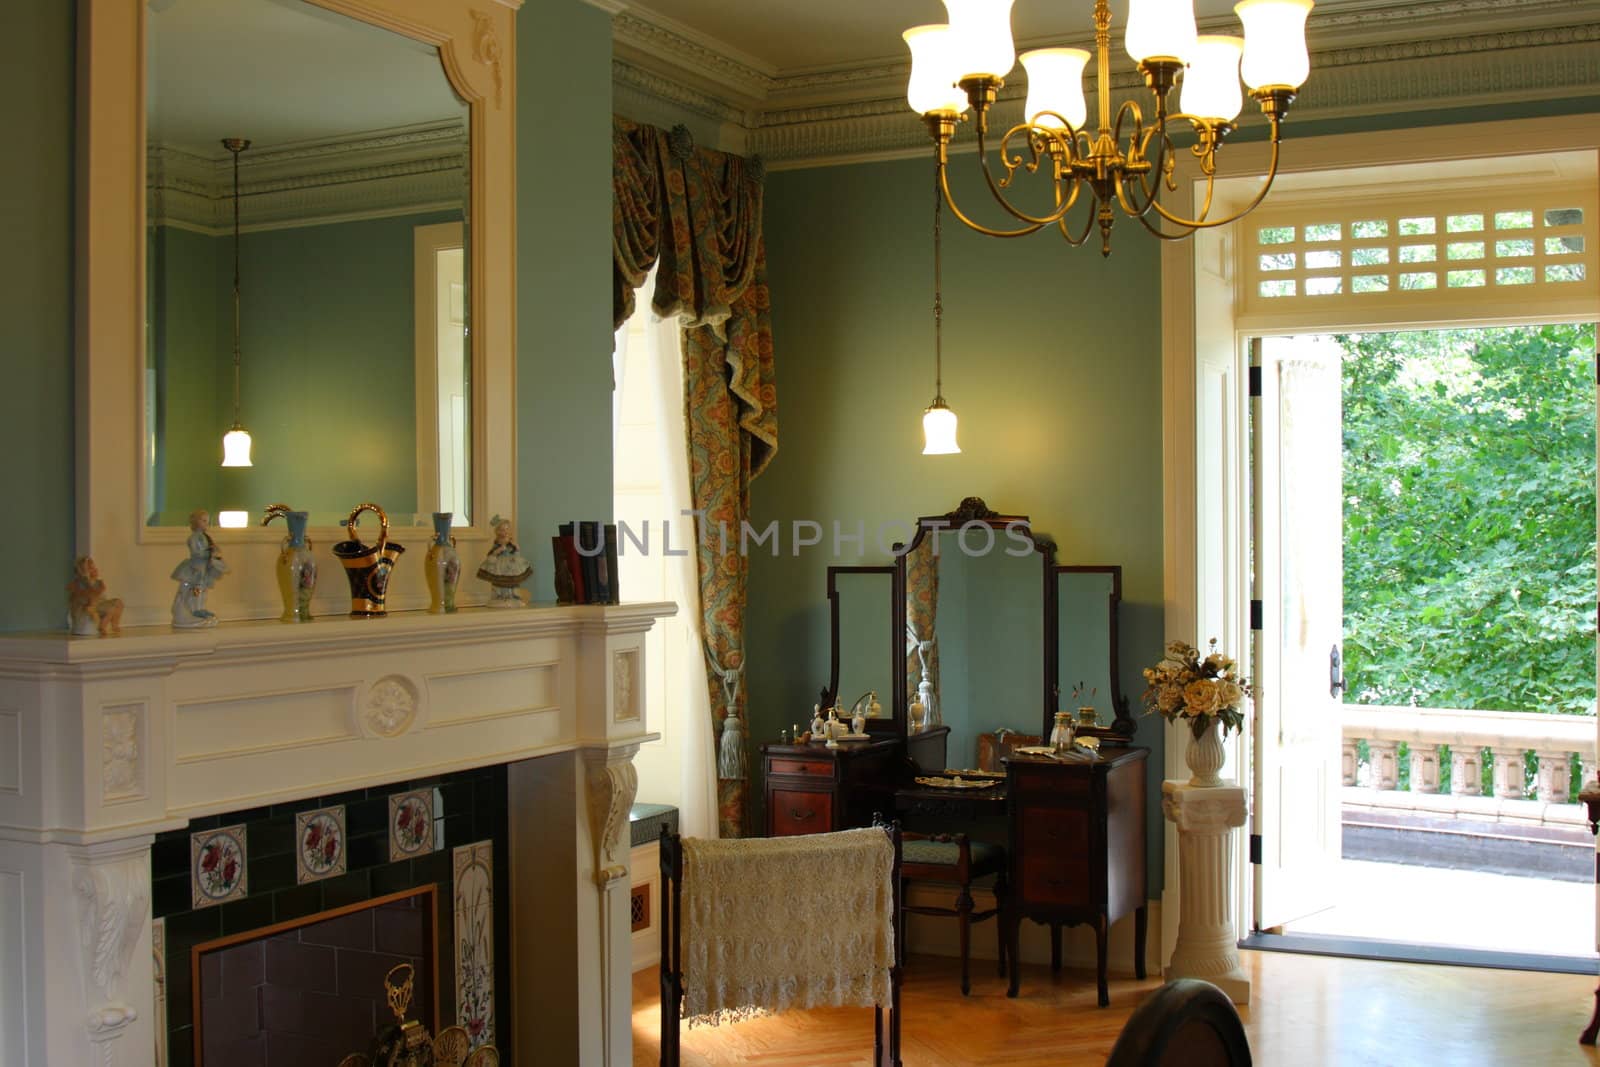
x=106, y=742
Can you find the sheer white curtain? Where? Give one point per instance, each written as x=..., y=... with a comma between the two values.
x=651, y=464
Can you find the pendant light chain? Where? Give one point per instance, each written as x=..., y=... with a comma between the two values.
x=938, y=291
x=236, y=359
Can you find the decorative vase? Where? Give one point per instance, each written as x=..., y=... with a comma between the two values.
x=1205, y=755
x=443, y=566
x=297, y=566
x=368, y=566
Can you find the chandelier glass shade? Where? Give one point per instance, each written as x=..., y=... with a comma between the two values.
x=236, y=442
x=1127, y=159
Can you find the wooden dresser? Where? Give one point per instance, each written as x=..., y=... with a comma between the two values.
x=1078, y=849
x=814, y=789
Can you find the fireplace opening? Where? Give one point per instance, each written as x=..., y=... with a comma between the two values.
x=310, y=991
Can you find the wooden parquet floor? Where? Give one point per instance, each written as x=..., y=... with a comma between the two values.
x=1305, y=1011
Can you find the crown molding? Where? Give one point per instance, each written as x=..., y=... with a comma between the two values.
x=1368, y=57
x=384, y=173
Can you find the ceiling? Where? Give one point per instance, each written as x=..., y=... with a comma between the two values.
x=283, y=71
x=782, y=37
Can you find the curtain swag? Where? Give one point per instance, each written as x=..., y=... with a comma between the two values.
x=699, y=213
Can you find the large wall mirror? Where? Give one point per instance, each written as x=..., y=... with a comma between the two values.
x=352, y=302
x=376, y=279
x=974, y=589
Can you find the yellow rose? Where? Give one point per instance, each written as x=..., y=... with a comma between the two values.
x=1232, y=694
x=1201, y=697
x=1169, y=699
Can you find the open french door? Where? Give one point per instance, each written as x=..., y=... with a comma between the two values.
x=1299, y=561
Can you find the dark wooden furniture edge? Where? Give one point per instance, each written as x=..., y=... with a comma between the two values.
x=893, y=724
x=1124, y=725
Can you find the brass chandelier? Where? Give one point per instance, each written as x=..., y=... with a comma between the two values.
x=1126, y=163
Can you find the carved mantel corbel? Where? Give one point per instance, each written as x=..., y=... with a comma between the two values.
x=112, y=890
x=611, y=781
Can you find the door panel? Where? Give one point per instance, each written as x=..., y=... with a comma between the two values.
x=1302, y=570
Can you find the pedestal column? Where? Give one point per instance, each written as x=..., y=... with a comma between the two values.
x=1207, y=947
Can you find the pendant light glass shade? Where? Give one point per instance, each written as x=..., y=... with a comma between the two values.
x=1274, y=42
x=980, y=32
x=236, y=447
x=933, y=71
x=1055, y=86
x=939, y=430
x=1211, y=85
x=1160, y=28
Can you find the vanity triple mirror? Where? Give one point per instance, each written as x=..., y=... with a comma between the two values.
x=335, y=328
x=986, y=632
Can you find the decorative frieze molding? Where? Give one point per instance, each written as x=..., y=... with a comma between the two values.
x=387, y=172
x=1381, y=56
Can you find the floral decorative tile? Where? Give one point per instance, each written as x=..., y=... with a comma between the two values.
x=474, y=909
x=319, y=844
x=410, y=824
x=217, y=865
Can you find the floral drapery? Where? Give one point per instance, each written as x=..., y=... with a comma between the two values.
x=922, y=605
x=699, y=213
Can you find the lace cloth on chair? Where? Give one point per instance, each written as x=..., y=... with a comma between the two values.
x=776, y=923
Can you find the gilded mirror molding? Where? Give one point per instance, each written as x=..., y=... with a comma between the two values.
x=476, y=40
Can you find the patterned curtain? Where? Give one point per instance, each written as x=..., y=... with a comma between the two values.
x=922, y=605
x=699, y=213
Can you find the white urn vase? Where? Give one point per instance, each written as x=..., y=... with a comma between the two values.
x=1205, y=755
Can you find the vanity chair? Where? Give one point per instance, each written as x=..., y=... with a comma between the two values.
x=955, y=860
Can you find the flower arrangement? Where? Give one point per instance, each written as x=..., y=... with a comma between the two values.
x=1183, y=685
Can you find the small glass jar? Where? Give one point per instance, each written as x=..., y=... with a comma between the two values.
x=1088, y=716
x=1061, y=735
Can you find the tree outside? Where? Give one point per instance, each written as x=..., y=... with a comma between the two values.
x=1469, y=518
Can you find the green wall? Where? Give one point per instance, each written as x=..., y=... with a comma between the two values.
x=36, y=206
x=328, y=383
x=1059, y=420
x=563, y=274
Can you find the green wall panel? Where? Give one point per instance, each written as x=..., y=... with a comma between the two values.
x=563, y=274
x=36, y=83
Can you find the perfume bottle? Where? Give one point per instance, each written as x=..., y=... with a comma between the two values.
x=1061, y=735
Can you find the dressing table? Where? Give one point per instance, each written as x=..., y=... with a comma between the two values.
x=977, y=621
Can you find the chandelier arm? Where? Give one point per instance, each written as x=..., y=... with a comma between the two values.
x=1203, y=223
x=1088, y=223
x=955, y=209
x=998, y=190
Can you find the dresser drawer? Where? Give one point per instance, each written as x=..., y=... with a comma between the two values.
x=1055, y=865
x=795, y=812
x=806, y=767
x=1056, y=880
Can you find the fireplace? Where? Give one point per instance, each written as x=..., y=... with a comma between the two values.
x=289, y=972
x=312, y=990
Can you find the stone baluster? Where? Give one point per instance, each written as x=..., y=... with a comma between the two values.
x=1424, y=768
x=1349, y=761
x=1466, y=770
x=1554, y=776
x=1509, y=775
x=1586, y=764
x=1384, y=761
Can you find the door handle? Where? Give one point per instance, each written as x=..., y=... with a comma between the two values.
x=801, y=816
x=1335, y=672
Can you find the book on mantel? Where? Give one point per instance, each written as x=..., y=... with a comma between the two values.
x=585, y=558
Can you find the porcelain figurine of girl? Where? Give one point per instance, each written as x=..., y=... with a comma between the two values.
x=504, y=568
x=196, y=575
x=90, y=611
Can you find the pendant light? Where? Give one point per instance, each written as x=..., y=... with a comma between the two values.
x=236, y=442
x=938, y=421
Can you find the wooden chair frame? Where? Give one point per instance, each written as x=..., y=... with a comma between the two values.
x=959, y=875
x=886, y=1036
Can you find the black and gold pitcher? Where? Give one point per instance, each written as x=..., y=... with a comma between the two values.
x=368, y=566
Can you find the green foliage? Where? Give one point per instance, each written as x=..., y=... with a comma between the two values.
x=1469, y=511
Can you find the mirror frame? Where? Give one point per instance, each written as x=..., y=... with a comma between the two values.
x=972, y=510
x=477, y=48
x=1123, y=726
x=891, y=724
